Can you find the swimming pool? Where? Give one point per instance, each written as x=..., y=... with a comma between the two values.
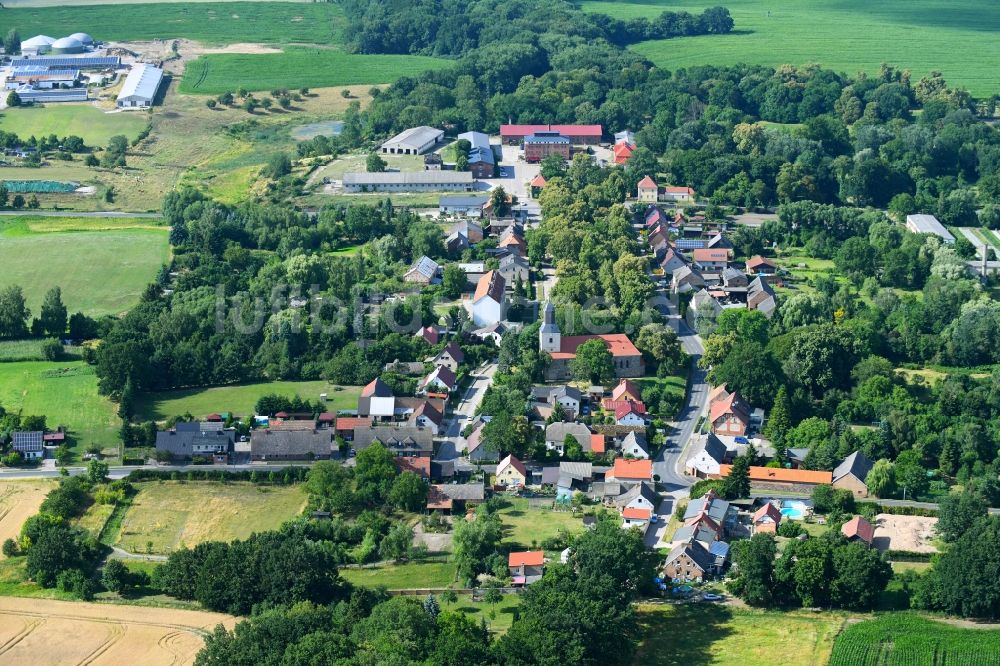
x=794, y=510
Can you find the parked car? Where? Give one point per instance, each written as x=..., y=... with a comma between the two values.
x=708, y=596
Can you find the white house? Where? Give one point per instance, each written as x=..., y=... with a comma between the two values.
x=630, y=414
x=639, y=496
x=635, y=445
x=440, y=380
x=489, y=302
x=413, y=141
x=706, y=457
x=28, y=444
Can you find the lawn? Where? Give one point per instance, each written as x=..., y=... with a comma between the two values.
x=297, y=67
x=214, y=23
x=174, y=514
x=527, y=527
x=21, y=350
x=93, y=125
x=336, y=169
x=845, y=35
x=99, y=272
x=412, y=575
x=904, y=638
x=66, y=393
x=498, y=619
x=701, y=634
x=239, y=399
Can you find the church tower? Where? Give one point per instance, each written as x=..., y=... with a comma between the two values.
x=549, y=337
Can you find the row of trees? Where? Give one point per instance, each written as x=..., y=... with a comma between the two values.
x=52, y=320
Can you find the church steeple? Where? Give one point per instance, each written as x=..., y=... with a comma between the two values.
x=549, y=337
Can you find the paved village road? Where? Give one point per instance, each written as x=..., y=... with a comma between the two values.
x=454, y=442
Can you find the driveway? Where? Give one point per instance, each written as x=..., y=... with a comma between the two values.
x=514, y=174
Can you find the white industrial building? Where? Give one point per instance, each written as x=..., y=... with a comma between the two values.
x=409, y=181
x=37, y=45
x=928, y=224
x=414, y=141
x=140, y=88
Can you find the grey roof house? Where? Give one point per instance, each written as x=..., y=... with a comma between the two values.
x=186, y=440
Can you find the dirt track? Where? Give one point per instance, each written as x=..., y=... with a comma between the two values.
x=44, y=631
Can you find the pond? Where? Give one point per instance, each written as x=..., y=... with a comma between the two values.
x=312, y=130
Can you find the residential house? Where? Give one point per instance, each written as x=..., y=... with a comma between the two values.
x=639, y=496
x=556, y=434
x=345, y=426
x=686, y=279
x=512, y=240
x=427, y=416
x=472, y=204
x=625, y=136
x=489, y=303
x=760, y=296
x=574, y=477
x=455, y=497
x=623, y=151
x=456, y=243
x=482, y=161
x=766, y=519
x=758, y=265
x=728, y=413
x=425, y=271
x=701, y=528
x=720, y=242
x=648, y=190
x=471, y=230
x=537, y=184
x=450, y=357
x=476, y=449
x=852, y=473
x=626, y=390
x=430, y=334
x=376, y=400
x=707, y=455
x=566, y=397
x=405, y=441
x=511, y=473
x=635, y=445
x=631, y=471
x=719, y=510
x=29, y=444
x=290, y=444
x=491, y=333
x=711, y=259
x=186, y=440
x=439, y=380
x=630, y=413
x=671, y=261
x=777, y=478
x=526, y=567
x=540, y=145
x=682, y=195
x=636, y=517
x=859, y=529
x=690, y=562
x=734, y=278
x=514, y=267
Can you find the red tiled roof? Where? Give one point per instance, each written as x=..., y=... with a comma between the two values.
x=565, y=130
x=859, y=527
x=756, y=261
x=527, y=558
x=213, y=417
x=490, y=284
x=326, y=417
x=611, y=405
x=538, y=181
x=626, y=389
x=679, y=190
x=710, y=254
x=281, y=415
x=430, y=334
x=629, y=407
x=618, y=344
x=636, y=513
x=769, y=511
x=647, y=183
x=352, y=422
x=632, y=469
x=731, y=404
x=54, y=437
x=597, y=444
x=421, y=465
x=455, y=351
x=782, y=475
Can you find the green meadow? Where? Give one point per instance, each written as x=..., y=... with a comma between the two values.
x=210, y=22
x=960, y=38
x=88, y=122
x=298, y=67
x=102, y=266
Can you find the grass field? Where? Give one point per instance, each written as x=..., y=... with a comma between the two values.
x=172, y=514
x=19, y=500
x=412, y=575
x=99, y=271
x=94, y=126
x=213, y=23
x=66, y=393
x=41, y=631
x=702, y=634
x=239, y=399
x=498, y=618
x=846, y=35
x=336, y=169
x=296, y=67
x=526, y=527
x=21, y=350
x=901, y=639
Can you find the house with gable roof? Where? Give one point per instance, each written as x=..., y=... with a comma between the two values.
x=766, y=519
x=424, y=271
x=852, y=473
x=511, y=472
x=489, y=303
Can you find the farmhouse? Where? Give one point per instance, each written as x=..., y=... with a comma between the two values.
x=852, y=473
x=413, y=141
x=408, y=181
x=710, y=259
x=928, y=224
x=635, y=445
x=28, y=444
x=140, y=87
x=489, y=303
x=42, y=78
x=286, y=444
x=577, y=134
x=187, y=440
x=540, y=145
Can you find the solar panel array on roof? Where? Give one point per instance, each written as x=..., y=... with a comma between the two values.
x=88, y=62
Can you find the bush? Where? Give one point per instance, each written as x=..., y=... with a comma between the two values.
x=10, y=548
x=790, y=529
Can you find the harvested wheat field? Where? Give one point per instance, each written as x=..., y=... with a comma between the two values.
x=44, y=631
x=19, y=500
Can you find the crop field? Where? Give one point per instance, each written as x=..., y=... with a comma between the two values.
x=99, y=272
x=703, y=634
x=90, y=123
x=239, y=399
x=173, y=514
x=845, y=35
x=209, y=22
x=19, y=500
x=45, y=631
x=217, y=73
x=903, y=639
x=66, y=393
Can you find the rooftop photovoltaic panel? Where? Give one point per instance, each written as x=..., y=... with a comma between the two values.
x=93, y=62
